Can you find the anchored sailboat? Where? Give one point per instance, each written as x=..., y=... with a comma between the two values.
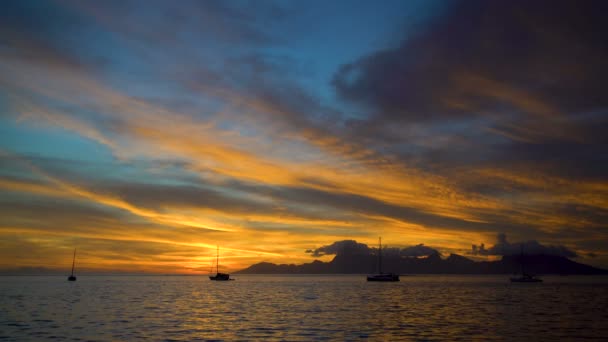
x=72, y=277
x=382, y=276
x=524, y=277
x=219, y=276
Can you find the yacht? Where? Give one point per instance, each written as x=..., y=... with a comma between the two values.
x=524, y=277
x=72, y=277
x=382, y=276
x=219, y=276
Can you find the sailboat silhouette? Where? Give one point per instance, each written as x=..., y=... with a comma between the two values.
x=219, y=276
x=382, y=276
x=524, y=277
x=72, y=277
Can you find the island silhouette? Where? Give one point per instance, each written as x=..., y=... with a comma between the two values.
x=352, y=257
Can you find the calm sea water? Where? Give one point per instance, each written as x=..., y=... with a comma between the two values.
x=293, y=308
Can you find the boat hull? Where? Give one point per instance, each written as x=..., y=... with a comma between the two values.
x=220, y=277
x=383, y=277
x=71, y=278
x=526, y=280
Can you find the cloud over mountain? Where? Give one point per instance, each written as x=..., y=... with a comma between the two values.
x=532, y=247
x=345, y=247
x=352, y=247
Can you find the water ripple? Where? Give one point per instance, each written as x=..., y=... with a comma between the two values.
x=302, y=308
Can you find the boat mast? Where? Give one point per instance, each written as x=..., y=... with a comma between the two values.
x=73, y=261
x=217, y=261
x=521, y=258
x=380, y=255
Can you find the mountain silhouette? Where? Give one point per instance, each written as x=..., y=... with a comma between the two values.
x=359, y=263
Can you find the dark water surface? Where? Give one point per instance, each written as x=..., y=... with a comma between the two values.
x=292, y=308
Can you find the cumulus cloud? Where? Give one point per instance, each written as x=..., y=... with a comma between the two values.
x=352, y=247
x=504, y=247
x=348, y=247
x=418, y=250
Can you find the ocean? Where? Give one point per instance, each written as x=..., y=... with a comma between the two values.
x=302, y=308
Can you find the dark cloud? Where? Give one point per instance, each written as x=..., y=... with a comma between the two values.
x=166, y=188
x=75, y=218
x=345, y=247
x=337, y=204
x=165, y=38
x=503, y=247
x=268, y=88
x=352, y=247
x=487, y=82
x=158, y=196
x=418, y=251
x=588, y=160
x=367, y=205
x=48, y=34
x=26, y=211
x=479, y=56
x=514, y=87
x=227, y=198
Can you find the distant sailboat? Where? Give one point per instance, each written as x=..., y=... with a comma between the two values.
x=72, y=277
x=382, y=276
x=219, y=276
x=524, y=277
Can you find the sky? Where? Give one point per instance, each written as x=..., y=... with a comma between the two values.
x=146, y=133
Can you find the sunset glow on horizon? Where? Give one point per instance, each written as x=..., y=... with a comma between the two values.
x=146, y=134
